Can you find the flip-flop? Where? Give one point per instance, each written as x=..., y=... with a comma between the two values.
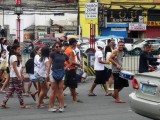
x=4, y=106
x=109, y=94
x=92, y=94
x=119, y=101
x=2, y=91
x=25, y=107
x=33, y=96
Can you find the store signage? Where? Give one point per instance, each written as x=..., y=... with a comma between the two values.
x=123, y=20
x=137, y=26
x=118, y=29
x=153, y=23
x=91, y=12
x=141, y=19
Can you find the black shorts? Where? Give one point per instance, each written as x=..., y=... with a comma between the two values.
x=107, y=73
x=100, y=77
x=119, y=82
x=70, y=79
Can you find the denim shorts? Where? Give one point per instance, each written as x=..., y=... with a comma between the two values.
x=32, y=78
x=52, y=79
x=40, y=78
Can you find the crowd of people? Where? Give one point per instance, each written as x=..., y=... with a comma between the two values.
x=55, y=70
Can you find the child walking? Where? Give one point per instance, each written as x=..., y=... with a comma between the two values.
x=15, y=82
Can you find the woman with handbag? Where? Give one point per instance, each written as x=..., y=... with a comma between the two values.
x=57, y=60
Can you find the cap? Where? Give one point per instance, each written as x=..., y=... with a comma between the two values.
x=72, y=40
x=100, y=44
x=79, y=43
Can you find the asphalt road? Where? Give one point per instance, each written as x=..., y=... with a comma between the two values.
x=99, y=107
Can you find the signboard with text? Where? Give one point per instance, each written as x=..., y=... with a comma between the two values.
x=91, y=13
x=153, y=23
x=137, y=26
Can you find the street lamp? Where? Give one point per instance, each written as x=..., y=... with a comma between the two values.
x=18, y=11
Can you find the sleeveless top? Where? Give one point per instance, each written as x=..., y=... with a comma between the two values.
x=119, y=60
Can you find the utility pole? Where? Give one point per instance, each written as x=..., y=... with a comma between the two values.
x=18, y=11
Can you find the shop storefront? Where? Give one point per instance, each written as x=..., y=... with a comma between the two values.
x=153, y=29
x=117, y=23
x=153, y=24
x=117, y=29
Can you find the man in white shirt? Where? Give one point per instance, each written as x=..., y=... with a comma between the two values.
x=99, y=70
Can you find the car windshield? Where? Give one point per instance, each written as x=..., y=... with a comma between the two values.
x=138, y=41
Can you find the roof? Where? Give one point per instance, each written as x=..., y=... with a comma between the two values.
x=42, y=5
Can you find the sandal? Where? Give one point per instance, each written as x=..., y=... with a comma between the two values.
x=40, y=107
x=2, y=91
x=108, y=94
x=4, y=106
x=25, y=106
x=34, y=97
x=119, y=101
x=92, y=94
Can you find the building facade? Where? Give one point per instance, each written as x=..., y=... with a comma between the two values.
x=125, y=18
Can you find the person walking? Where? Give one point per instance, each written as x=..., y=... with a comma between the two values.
x=117, y=60
x=57, y=61
x=30, y=70
x=145, y=58
x=15, y=79
x=108, y=67
x=71, y=81
x=41, y=75
x=99, y=70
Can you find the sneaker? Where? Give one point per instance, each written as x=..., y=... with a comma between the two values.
x=54, y=109
x=61, y=109
x=111, y=89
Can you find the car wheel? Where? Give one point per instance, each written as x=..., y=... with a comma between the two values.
x=137, y=51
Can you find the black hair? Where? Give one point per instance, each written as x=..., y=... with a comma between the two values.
x=44, y=53
x=8, y=47
x=32, y=54
x=12, y=50
x=18, y=62
x=109, y=40
x=5, y=41
x=15, y=42
x=59, y=43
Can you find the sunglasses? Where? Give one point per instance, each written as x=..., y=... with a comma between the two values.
x=58, y=46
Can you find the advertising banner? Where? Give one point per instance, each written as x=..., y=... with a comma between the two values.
x=137, y=26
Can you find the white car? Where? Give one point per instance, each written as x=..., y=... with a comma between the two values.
x=86, y=47
x=145, y=100
x=137, y=47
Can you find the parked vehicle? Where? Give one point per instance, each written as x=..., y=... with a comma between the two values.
x=145, y=99
x=86, y=47
x=47, y=41
x=137, y=47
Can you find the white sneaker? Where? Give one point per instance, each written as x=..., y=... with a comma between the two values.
x=61, y=109
x=54, y=109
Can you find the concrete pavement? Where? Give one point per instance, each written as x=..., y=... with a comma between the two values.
x=99, y=107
